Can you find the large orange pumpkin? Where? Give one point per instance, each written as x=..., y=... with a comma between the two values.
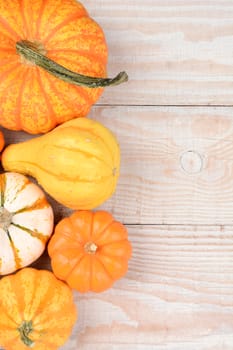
x=34, y=32
x=90, y=251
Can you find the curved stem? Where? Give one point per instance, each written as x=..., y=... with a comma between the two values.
x=31, y=53
x=25, y=329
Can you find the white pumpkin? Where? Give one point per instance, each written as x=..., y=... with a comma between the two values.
x=26, y=222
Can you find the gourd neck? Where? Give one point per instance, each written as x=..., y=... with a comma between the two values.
x=24, y=330
x=5, y=218
x=34, y=53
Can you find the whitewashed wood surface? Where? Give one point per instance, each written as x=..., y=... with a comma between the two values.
x=174, y=123
x=175, y=51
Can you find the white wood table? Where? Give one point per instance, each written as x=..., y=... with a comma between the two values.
x=174, y=123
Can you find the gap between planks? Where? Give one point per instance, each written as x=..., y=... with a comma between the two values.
x=163, y=106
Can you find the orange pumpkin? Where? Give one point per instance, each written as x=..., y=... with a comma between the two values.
x=35, y=34
x=2, y=141
x=89, y=250
x=36, y=311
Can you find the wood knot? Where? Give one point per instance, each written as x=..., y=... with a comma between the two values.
x=191, y=162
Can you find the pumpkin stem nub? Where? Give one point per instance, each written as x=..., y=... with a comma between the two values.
x=30, y=52
x=5, y=218
x=90, y=248
x=25, y=329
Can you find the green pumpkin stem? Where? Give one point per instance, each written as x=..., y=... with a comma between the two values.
x=34, y=54
x=25, y=329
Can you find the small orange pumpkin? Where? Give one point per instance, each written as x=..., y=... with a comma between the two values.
x=90, y=250
x=36, y=311
x=41, y=36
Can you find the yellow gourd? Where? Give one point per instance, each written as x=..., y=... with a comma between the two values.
x=77, y=163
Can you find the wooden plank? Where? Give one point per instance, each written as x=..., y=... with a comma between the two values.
x=178, y=294
x=177, y=164
x=175, y=51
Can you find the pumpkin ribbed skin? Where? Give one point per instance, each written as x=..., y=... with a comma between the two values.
x=90, y=250
x=30, y=98
x=26, y=222
x=36, y=311
x=77, y=163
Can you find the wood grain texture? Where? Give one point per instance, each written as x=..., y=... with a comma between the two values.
x=178, y=294
x=176, y=164
x=175, y=51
